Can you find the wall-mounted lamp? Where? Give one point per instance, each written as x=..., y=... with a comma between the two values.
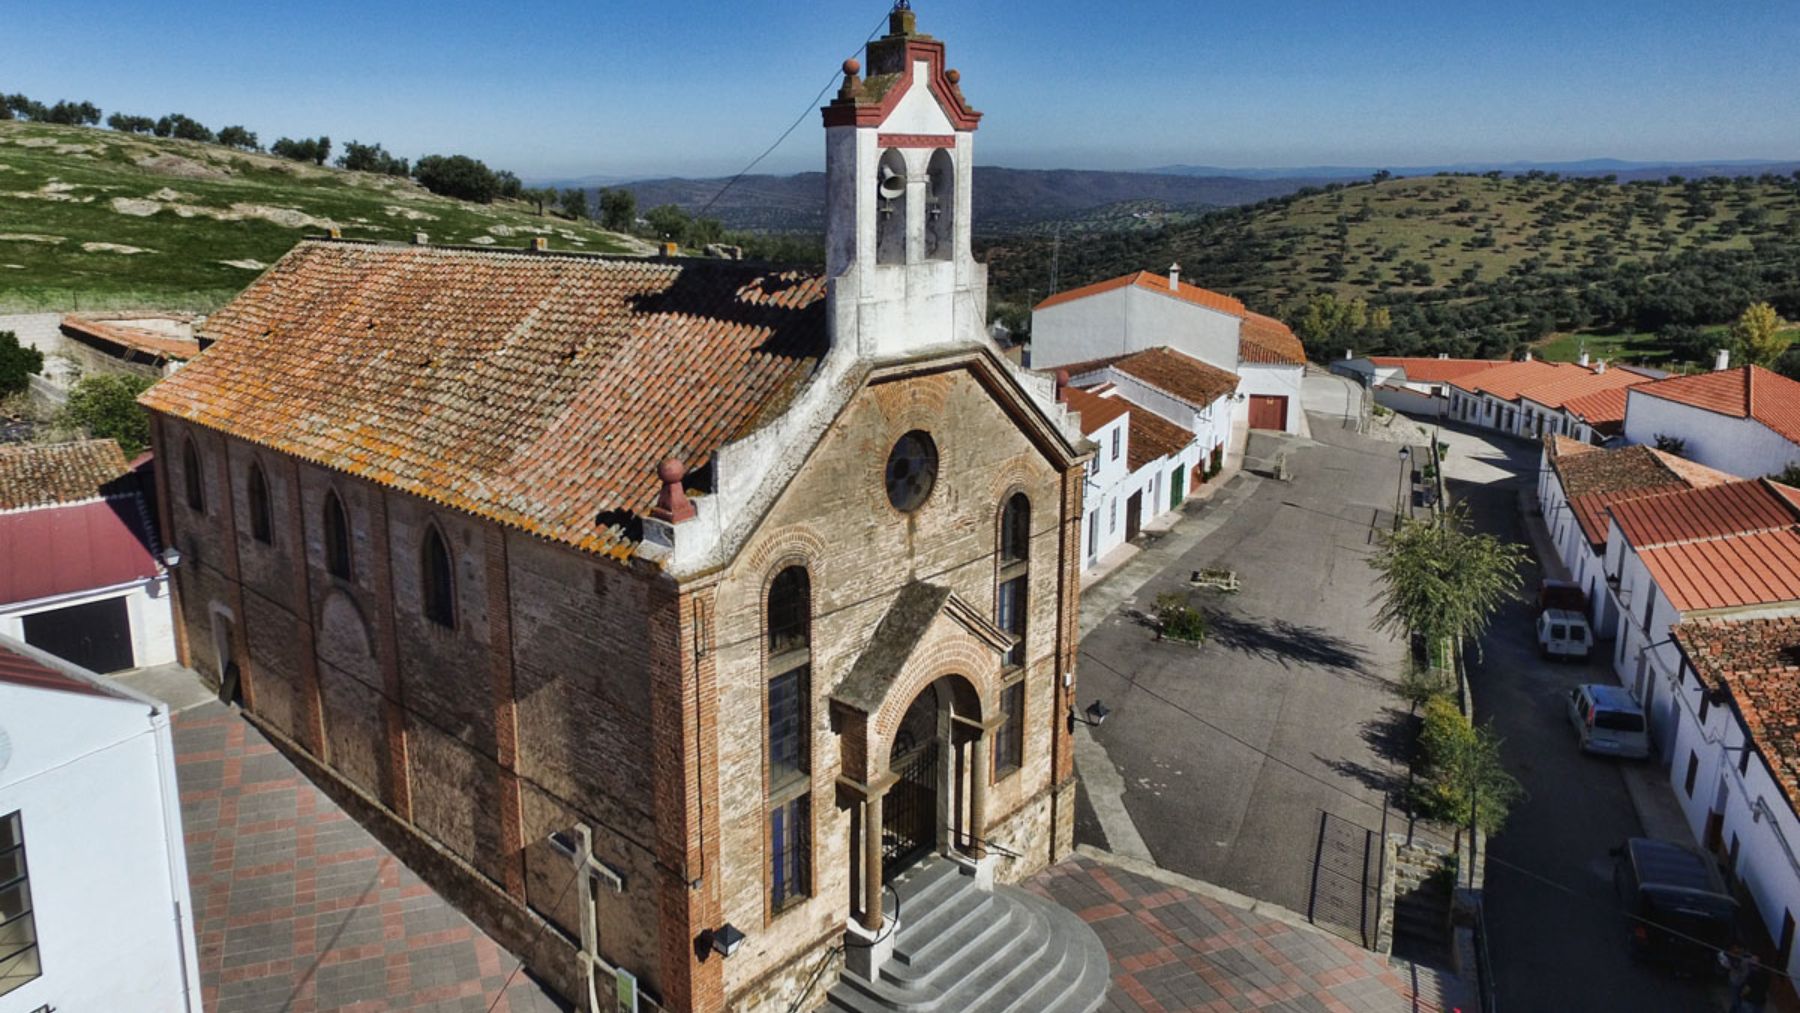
x=171, y=557
x=1095, y=715
x=724, y=940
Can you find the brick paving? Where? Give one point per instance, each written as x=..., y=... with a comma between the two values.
x=298, y=908
x=1174, y=949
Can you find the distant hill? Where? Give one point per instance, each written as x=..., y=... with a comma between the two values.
x=1006, y=200
x=93, y=218
x=1466, y=264
x=1625, y=170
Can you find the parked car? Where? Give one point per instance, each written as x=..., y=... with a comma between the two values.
x=1564, y=634
x=1561, y=594
x=1680, y=912
x=1608, y=721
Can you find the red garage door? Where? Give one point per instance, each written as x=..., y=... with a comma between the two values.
x=1268, y=411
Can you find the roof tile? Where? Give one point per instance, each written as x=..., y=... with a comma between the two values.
x=1755, y=661
x=38, y=474
x=1179, y=375
x=1744, y=392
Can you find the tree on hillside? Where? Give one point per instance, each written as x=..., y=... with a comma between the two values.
x=1327, y=322
x=1758, y=332
x=509, y=185
x=668, y=221
x=1439, y=580
x=128, y=124
x=574, y=202
x=457, y=176
x=311, y=150
x=183, y=128
x=106, y=407
x=17, y=364
x=73, y=113
x=360, y=157
x=238, y=137
x=22, y=107
x=618, y=209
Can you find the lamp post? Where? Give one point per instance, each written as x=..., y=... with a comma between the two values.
x=1400, y=494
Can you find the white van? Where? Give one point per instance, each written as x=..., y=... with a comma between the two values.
x=1563, y=634
x=1608, y=721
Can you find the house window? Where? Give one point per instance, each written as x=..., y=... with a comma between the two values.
x=1112, y=519
x=192, y=477
x=789, y=633
x=1009, y=738
x=1744, y=758
x=1693, y=771
x=1117, y=432
x=261, y=525
x=1705, y=705
x=337, y=538
x=1015, y=553
x=18, y=930
x=439, y=580
x=1093, y=527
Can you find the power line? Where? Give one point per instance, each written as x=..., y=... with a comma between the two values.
x=810, y=106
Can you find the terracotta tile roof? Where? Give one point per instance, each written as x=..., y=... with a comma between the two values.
x=1179, y=375
x=1077, y=370
x=1755, y=661
x=539, y=391
x=39, y=474
x=1095, y=411
x=1424, y=369
x=160, y=346
x=1713, y=511
x=1730, y=572
x=1597, y=481
x=1267, y=340
x=1559, y=389
x=1559, y=445
x=1505, y=381
x=1604, y=410
x=1744, y=392
x=1153, y=436
x=1155, y=283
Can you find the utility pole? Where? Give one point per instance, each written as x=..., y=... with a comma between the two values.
x=1056, y=260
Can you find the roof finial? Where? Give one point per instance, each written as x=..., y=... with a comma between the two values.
x=672, y=504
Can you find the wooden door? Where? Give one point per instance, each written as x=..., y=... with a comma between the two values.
x=1268, y=411
x=1134, y=515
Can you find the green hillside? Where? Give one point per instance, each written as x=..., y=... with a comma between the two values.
x=1469, y=264
x=91, y=218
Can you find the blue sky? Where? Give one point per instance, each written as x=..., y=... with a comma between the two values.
x=556, y=89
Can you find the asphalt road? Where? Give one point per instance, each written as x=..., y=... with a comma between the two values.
x=1556, y=931
x=1230, y=751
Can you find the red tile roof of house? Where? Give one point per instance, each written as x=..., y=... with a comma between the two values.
x=1558, y=390
x=1266, y=340
x=1153, y=436
x=1424, y=369
x=160, y=346
x=37, y=474
x=539, y=391
x=1155, y=283
x=1604, y=410
x=1095, y=411
x=1559, y=445
x=1595, y=481
x=1754, y=660
x=20, y=669
x=1730, y=572
x=1744, y=392
x=1505, y=381
x=1179, y=375
x=1713, y=511
x=59, y=550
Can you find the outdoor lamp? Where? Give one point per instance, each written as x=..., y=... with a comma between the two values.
x=1094, y=715
x=725, y=939
x=171, y=557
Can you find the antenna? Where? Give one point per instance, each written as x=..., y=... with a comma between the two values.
x=1056, y=259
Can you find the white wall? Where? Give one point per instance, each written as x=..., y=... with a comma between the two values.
x=1279, y=381
x=1410, y=400
x=1742, y=447
x=146, y=605
x=1110, y=484
x=93, y=780
x=1079, y=330
x=1131, y=319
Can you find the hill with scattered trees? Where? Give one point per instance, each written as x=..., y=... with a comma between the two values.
x=1469, y=265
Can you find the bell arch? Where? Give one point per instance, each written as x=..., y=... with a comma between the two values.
x=940, y=206
x=890, y=208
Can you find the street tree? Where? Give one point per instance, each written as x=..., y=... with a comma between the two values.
x=1758, y=332
x=1462, y=777
x=1440, y=580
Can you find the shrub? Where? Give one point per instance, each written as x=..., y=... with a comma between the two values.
x=17, y=363
x=1178, y=620
x=106, y=407
x=1461, y=768
x=1421, y=684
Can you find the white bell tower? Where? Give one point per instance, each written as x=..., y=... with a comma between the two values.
x=898, y=160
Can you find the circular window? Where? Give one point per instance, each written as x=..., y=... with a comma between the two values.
x=911, y=470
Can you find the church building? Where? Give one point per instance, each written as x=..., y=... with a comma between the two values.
x=700, y=628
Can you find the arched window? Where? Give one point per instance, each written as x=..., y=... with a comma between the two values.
x=337, y=538
x=192, y=476
x=940, y=206
x=789, y=632
x=438, y=579
x=262, y=527
x=890, y=208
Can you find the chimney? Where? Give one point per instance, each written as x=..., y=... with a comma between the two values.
x=1349, y=353
x=1062, y=386
x=1174, y=277
x=1723, y=360
x=670, y=249
x=1527, y=355
x=539, y=244
x=1443, y=355
x=1584, y=357
x=421, y=239
x=1600, y=366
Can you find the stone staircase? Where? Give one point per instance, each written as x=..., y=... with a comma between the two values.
x=1422, y=901
x=963, y=949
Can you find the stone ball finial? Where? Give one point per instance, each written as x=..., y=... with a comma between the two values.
x=954, y=75
x=671, y=471
x=672, y=504
x=851, y=67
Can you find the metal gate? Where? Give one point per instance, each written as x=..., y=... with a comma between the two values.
x=909, y=813
x=1345, y=899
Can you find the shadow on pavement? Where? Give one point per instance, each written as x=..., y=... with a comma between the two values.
x=1390, y=737
x=1284, y=642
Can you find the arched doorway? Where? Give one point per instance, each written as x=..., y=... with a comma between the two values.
x=932, y=760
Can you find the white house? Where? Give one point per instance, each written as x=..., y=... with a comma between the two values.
x=1722, y=551
x=94, y=905
x=1745, y=421
x=81, y=578
x=1416, y=384
x=1143, y=469
x=1735, y=764
x=1142, y=311
x=1530, y=397
x=1579, y=483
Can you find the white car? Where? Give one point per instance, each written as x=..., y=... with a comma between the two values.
x=1563, y=634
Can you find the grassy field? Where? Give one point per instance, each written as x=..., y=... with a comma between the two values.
x=94, y=219
x=1635, y=347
